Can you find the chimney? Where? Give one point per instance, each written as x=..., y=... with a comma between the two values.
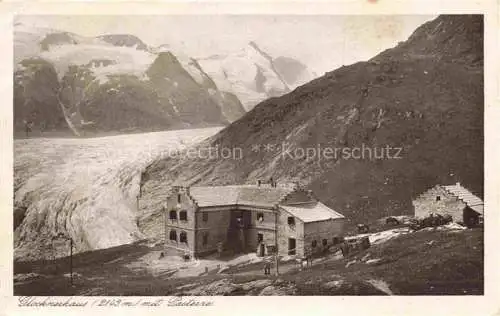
x=458, y=184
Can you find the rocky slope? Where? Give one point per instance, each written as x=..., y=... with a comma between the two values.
x=35, y=90
x=124, y=40
x=423, y=98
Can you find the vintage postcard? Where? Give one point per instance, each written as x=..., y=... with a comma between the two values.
x=266, y=158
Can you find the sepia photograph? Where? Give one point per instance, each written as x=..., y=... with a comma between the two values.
x=248, y=155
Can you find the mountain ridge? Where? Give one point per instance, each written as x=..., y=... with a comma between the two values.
x=89, y=71
x=424, y=96
x=99, y=63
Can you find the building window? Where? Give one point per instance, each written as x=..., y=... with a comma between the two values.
x=438, y=198
x=173, y=215
x=183, y=237
x=205, y=239
x=173, y=235
x=291, y=220
x=260, y=238
x=325, y=242
x=183, y=216
x=314, y=244
x=178, y=198
x=260, y=217
x=205, y=216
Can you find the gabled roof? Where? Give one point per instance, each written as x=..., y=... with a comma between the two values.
x=238, y=195
x=312, y=212
x=466, y=196
x=267, y=196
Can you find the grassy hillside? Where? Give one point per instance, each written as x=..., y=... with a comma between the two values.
x=423, y=98
x=422, y=263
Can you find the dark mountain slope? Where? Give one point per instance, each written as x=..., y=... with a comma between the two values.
x=124, y=40
x=35, y=97
x=424, y=96
x=80, y=103
x=229, y=104
x=125, y=103
x=57, y=39
x=176, y=86
x=168, y=98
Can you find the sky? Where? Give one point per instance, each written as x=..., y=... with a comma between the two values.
x=322, y=42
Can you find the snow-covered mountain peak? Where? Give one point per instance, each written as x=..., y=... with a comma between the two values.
x=124, y=60
x=248, y=72
x=122, y=66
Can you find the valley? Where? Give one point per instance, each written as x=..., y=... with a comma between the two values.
x=105, y=130
x=86, y=189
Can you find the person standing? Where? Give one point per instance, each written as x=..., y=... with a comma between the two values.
x=219, y=249
x=345, y=249
x=267, y=267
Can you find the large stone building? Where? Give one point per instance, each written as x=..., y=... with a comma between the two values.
x=455, y=200
x=246, y=218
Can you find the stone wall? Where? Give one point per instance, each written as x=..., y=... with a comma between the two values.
x=187, y=226
x=183, y=247
x=438, y=201
x=322, y=230
x=215, y=227
x=286, y=231
x=266, y=227
x=217, y=224
x=208, y=227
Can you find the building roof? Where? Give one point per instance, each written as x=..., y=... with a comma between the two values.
x=267, y=196
x=466, y=196
x=312, y=212
x=238, y=195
